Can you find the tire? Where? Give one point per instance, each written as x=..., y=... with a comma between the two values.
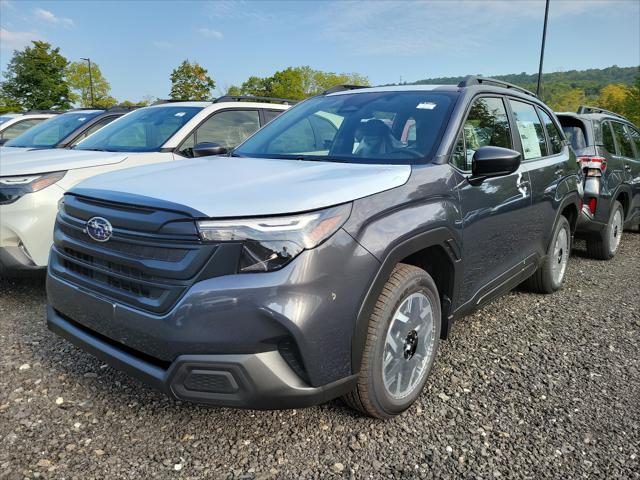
x=550, y=275
x=605, y=245
x=401, y=318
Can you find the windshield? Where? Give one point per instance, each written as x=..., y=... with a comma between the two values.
x=378, y=127
x=144, y=130
x=49, y=133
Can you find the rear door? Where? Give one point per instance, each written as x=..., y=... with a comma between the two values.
x=495, y=214
x=546, y=159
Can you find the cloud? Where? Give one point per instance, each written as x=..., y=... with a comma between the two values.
x=209, y=33
x=16, y=40
x=50, y=17
x=399, y=28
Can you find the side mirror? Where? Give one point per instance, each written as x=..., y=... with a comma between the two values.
x=205, y=149
x=491, y=162
x=3, y=141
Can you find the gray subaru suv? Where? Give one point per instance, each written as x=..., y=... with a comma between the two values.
x=327, y=255
x=608, y=149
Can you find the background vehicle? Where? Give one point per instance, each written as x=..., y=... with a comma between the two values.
x=32, y=183
x=66, y=130
x=328, y=255
x=608, y=149
x=14, y=124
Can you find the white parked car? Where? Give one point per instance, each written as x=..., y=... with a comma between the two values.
x=14, y=124
x=32, y=183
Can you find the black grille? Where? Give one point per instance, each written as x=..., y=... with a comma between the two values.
x=214, y=382
x=148, y=268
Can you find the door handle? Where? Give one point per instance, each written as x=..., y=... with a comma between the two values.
x=627, y=167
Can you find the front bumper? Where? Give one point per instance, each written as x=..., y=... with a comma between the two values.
x=259, y=381
x=26, y=230
x=302, y=317
x=15, y=260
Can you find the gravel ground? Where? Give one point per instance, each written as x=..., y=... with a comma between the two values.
x=529, y=387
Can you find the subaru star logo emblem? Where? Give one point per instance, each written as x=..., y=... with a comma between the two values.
x=99, y=229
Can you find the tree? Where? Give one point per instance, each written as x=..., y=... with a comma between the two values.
x=190, y=81
x=567, y=101
x=632, y=103
x=612, y=97
x=297, y=83
x=35, y=78
x=79, y=81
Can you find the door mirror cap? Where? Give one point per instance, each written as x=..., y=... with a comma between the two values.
x=205, y=149
x=491, y=162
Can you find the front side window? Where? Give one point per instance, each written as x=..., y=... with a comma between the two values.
x=368, y=127
x=624, y=142
x=607, y=138
x=534, y=144
x=228, y=129
x=143, y=130
x=18, y=128
x=555, y=137
x=635, y=137
x=487, y=124
x=47, y=134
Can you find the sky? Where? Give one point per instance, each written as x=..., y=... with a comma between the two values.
x=138, y=43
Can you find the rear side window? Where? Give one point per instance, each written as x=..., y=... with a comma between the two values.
x=534, y=143
x=624, y=142
x=555, y=137
x=635, y=137
x=607, y=138
x=487, y=125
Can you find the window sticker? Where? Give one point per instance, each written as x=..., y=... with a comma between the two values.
x=529, y=137
x=426, y=106
x=180, y=114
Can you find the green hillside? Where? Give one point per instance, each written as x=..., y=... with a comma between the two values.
x=614, y=88
x=592, y=80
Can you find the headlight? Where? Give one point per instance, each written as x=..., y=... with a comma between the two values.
x=12, y=188
x=270, y=243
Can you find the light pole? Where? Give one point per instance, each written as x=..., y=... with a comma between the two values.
x=90, y=79
x=544, y=39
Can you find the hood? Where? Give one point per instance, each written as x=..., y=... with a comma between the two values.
x=218, y=187
x=53, y=160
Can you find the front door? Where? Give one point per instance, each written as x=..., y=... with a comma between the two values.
x=495, y=221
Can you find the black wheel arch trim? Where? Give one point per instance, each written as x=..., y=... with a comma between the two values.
x=442, y=237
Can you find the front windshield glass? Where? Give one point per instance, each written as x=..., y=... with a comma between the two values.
x=49, y=133
x=376, y=127
x=144, y=130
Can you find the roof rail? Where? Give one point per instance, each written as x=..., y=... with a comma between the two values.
x=123, y=108
x=31, y=112
x=160, y=101
x=253, y=98
x=342, y=88
x=582, y=109
x=477, y=80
